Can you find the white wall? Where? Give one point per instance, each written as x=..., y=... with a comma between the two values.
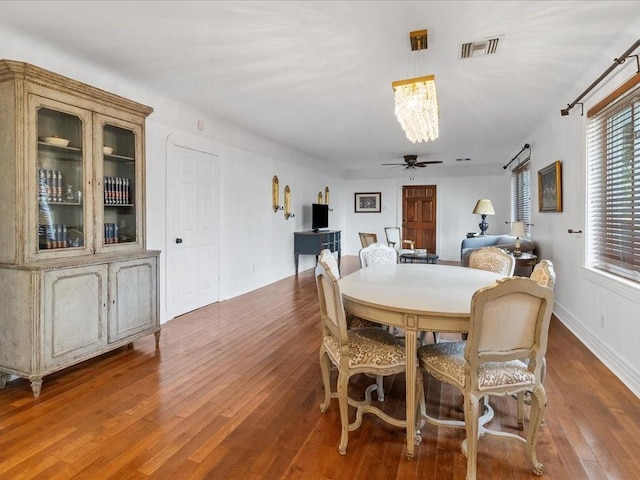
x=456, y=197
x=604, y=312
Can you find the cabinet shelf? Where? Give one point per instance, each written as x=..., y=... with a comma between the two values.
x=119, y=158
x=58, y=147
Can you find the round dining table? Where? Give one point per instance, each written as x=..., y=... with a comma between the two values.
x=414, y=297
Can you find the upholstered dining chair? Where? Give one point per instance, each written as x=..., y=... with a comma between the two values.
x=371, y=351
x=353, y=321
x=493, y=259
x=544, y=275
x=377, y=254
x=394, y=239
x=327, y=257
x=367, y=239
x=509, y=322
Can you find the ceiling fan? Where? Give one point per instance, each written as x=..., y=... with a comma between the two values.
x=411, y=161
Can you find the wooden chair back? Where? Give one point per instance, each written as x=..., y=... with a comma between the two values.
x=367, y=239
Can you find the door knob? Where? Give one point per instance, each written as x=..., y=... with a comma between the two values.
x=178, y=240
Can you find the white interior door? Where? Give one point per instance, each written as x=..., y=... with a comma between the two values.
x=192, y=260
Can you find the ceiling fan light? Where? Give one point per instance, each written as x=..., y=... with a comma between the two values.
x=416, y=108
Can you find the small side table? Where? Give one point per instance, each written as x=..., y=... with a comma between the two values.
x=418, y=258
x=525, y=263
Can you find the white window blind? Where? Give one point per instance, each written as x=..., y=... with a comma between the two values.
x=613, y=150
x=521, y=195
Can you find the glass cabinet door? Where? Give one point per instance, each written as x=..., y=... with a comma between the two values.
x=119, y=174
x=60, y=179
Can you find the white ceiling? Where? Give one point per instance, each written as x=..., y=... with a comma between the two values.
x=316, y=75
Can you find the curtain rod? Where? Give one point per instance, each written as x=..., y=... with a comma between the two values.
x=526, y=145
x=616, y=62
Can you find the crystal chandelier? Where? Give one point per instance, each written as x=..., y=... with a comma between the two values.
x=416, y=101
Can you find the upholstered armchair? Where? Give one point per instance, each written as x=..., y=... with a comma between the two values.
x=394, y=239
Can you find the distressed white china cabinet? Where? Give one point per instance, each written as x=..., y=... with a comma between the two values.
x=76, y=279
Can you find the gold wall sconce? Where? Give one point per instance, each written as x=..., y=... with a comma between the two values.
x=326, y=197
x=287, y=203
x=319, y=197
x=275, y=194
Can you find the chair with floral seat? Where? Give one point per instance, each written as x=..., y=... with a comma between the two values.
x=543, y=274
x=493, y=259
x=503, y=355
x=353, y=321
x=371, y=351
x=377, y=254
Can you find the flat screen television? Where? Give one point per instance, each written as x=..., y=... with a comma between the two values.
x=319, y=216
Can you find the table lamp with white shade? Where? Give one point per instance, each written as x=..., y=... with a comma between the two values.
x=484, y=208
x=517, y=230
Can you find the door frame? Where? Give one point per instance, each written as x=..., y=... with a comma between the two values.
x=400, y=205
x=174, y=140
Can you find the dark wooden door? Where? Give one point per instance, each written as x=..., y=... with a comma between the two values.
x=419, y=215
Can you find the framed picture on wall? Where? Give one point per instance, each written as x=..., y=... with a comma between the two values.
x=367, y=202
x=550, y=188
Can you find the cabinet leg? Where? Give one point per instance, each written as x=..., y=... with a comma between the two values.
x=3, y=379
x=36, y=385
x=157, y=335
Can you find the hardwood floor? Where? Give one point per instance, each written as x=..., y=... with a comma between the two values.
x=234, y=391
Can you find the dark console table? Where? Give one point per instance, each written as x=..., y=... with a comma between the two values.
x=311, y=243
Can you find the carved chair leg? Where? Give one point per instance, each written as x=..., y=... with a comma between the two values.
x=380, y=389
x=520, y=409
x=343, y=400
x=471, y=416
x=538, y=405
x=325, y=368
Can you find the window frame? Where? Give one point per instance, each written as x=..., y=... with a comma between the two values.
x=521, y=194
x=613, y=183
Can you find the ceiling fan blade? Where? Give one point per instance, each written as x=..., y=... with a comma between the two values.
x=428, y=162
x=399, y=164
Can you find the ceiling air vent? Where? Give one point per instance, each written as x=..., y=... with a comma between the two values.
x=480, y=48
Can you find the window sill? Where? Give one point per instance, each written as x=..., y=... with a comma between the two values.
x=626, y=288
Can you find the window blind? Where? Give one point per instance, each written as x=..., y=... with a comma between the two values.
x=613, y=154
x=521, y=195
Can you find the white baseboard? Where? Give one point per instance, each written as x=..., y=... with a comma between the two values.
x=618, y=366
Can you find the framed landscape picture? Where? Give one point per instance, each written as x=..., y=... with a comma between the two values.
x=367, y=202
x=550, y=188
